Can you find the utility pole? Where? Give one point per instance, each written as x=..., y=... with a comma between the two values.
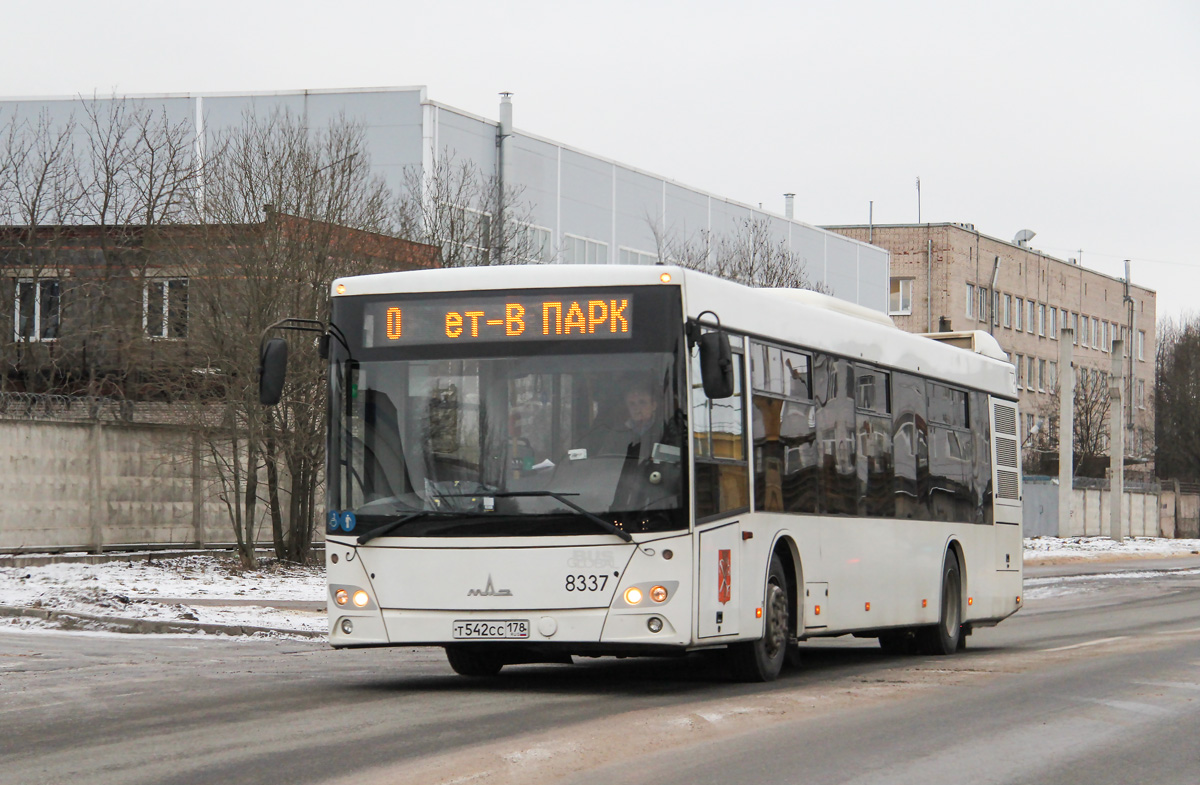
x=1066, y=429
x=1116, y=439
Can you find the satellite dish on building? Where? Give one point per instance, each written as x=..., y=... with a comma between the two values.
x=1023, y=237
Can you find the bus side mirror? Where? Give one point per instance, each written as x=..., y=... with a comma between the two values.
x=272, y=368
x=716, y=365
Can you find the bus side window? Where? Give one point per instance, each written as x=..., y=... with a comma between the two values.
x=876, y=471
x=910, y=443
x=833, y=391
x=785, y=448
x=981, y=429
x=722, y=481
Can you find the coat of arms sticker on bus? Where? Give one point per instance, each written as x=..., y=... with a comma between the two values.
x=724, y=576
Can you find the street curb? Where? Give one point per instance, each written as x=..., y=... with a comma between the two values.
x=78, y=620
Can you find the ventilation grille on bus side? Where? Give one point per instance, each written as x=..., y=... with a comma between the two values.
x=1006, y=420
x=1008, y=467
x=1007, y=484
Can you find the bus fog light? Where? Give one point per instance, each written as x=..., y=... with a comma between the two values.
x=658, y=594
x=633, y=595
x=347, y=626
x=361, y=598
x=655, y=624
x=342, y=597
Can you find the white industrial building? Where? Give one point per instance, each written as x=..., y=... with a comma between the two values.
x=583, y=208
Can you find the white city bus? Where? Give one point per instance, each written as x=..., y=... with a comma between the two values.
x=530, y=463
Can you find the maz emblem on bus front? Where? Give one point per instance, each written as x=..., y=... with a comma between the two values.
x=489, y=591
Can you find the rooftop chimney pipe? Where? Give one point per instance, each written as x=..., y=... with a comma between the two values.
x=789, y=205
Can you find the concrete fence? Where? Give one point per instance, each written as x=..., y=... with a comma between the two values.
x=1143, y=512
x=99, y=485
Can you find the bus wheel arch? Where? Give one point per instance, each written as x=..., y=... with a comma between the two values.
x=762, y=659
x=789, y=555
x=945, y=637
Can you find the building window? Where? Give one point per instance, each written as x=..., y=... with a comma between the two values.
x=1028, y=425
x=581, y=250
x=1042, y=375
x=1104, y=344
x=1075, y=328
x=165, y=308
x=1053, y=324
x=1031, y=318
x=1141, y=345
x=1019, y=315
x=970, y=301
x=1053, y=379
x=1041, y=320
x=1096, y=334
x=36, y=310
x=1141, y=393
x=983, y=304
x=900, y=299
x=1031, y=379
x=1083, y=333
x=1020, y=366
x=1008, y=310
x=534, y=242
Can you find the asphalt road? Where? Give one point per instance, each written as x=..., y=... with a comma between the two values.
x=1097, y=680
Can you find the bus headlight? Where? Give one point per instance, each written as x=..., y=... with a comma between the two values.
x=360, y=598
x=658, y=594
x=654, y=624
x=342, y=597
x=633, y=595
x=347, y=626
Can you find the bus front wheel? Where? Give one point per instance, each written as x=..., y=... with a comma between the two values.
x=762, y=660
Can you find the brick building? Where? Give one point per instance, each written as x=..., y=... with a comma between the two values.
x=99, y=310
x=950, y=277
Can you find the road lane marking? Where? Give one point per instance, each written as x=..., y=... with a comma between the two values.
x=1178, y=632
x=1087, y=643
x=1176, y=685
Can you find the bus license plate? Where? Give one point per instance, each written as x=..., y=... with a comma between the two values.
x=491, y=630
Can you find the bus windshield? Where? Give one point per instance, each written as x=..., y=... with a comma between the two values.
x=525, y=443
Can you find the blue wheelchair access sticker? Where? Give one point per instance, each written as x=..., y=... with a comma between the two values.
x=348, y=521
x=334, y=521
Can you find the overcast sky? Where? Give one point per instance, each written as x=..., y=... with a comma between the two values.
x=1078, y=120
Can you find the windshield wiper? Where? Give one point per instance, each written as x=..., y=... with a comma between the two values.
x=396, y=523
x=561, y=497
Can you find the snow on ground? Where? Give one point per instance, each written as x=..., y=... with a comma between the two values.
x=212, y=588
x=1048, y=550
x=209, y=589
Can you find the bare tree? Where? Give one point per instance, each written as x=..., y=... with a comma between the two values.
x=1091, y=405
x=1177, y=399
x=749, y=255
x=470, y=215
x=38, y=194
x=282, y=208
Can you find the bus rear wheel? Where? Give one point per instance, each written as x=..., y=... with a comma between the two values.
x=762, y=660
x=470, y=661
x=945, y=637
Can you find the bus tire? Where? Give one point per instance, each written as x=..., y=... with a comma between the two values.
x=944, y=638
x=469, y=661
x=762, y=660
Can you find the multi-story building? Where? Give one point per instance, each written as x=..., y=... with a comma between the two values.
x=948, y=277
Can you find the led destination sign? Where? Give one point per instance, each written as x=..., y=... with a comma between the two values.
x=578, y=316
